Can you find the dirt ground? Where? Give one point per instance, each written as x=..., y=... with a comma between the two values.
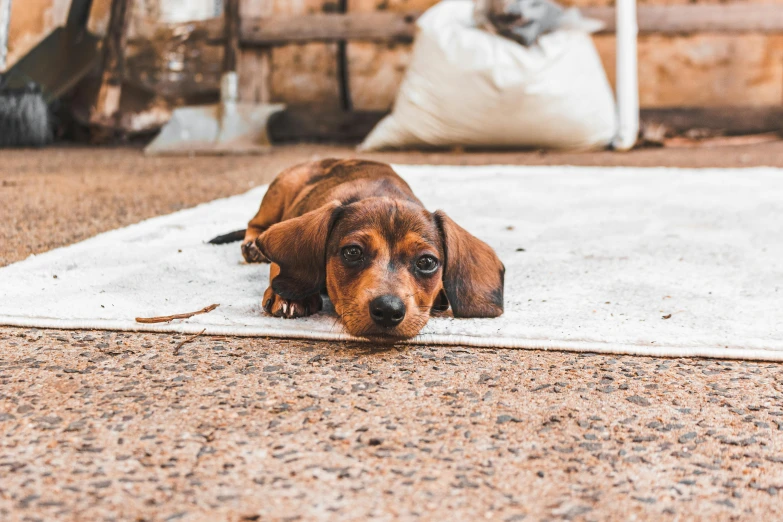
x=115, y=426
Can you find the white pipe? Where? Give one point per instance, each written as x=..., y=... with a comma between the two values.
x=5, y=24
x=627, y=76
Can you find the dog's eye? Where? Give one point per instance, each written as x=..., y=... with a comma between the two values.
x=352, y=253
x=427, y=264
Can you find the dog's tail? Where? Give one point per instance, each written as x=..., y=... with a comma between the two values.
x=231, y=237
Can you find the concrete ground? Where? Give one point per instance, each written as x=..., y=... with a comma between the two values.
x=119, y=426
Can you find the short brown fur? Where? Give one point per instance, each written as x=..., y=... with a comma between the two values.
x=316, y=217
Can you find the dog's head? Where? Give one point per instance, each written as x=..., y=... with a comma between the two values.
x=386, y=264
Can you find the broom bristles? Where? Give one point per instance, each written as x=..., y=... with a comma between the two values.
x=25, y=119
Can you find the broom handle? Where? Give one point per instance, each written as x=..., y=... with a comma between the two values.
x=79, y=13
x=231, y=15
x=116, y=36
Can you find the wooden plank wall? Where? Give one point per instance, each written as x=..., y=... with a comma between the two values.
x=304, y=74
x=709, y=70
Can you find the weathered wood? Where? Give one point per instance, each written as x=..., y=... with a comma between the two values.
x=255, y=75
x=696, y=18
x=384, y=26
x=114, y=44
x=731, y=120
x=380, y=26
x=343, y=74
x=108, y=102
x=303, y=124
x=298, y=124
x=255, y=65
x=278, y=30
x=401, y=27
x=231, y=21
x=704, y=70
x=376, y=72
x=306, y=75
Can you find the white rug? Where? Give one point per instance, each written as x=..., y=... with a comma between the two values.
x=659, y=262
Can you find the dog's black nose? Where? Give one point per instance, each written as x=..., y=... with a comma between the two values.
x=387, y=311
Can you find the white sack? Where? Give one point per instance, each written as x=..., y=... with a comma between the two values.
x=467, y=87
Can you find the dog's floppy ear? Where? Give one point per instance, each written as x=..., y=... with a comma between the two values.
x=298, y=246
x=472, y=272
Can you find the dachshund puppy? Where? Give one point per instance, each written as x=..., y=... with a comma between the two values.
x=354, y=229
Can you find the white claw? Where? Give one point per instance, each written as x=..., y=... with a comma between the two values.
x=285, y=308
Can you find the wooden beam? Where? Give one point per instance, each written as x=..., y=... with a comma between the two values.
x=699, y=18
x=384, y=26
x=305, y=124
x=376, y=26
x=730, y=120
x=401, y=27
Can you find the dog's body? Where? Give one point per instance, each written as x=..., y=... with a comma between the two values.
x=355, y=229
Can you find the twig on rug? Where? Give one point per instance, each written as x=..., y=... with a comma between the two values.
x=186, y=341
x=168, y=318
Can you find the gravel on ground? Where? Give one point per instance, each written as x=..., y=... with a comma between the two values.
x=127, y=426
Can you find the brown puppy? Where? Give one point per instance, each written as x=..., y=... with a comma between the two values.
x=354, y=229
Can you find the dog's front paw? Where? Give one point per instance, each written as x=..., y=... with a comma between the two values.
x=252, y=254
x=290, y=309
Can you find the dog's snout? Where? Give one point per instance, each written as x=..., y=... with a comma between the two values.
x=387, y=311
